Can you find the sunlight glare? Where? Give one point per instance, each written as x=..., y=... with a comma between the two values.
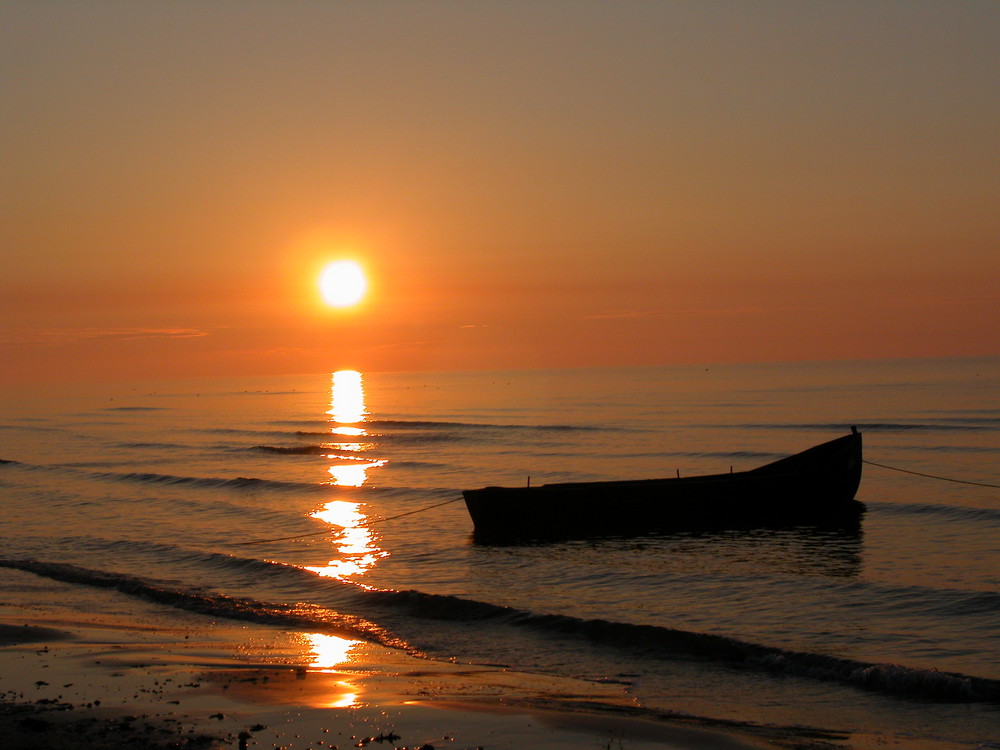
x=347, y=398
x=352, y=474
x=329, y=652
x=343, y=283
x=355, y=543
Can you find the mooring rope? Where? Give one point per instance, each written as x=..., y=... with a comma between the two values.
x=359, y=526
x=456, y=499
x=932, y=476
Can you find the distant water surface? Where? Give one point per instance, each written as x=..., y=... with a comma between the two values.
x=152, y=490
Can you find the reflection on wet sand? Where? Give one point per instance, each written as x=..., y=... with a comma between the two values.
x=328, y=652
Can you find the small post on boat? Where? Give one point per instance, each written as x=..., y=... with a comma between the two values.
x=529, y=480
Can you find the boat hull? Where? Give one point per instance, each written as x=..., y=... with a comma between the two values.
x=814, y=487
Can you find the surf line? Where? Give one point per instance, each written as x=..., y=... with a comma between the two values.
x=931, y=476
x=360, y=526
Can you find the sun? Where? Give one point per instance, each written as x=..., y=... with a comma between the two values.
x=343, y=283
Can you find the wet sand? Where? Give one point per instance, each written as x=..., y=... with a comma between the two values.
x=91, y=689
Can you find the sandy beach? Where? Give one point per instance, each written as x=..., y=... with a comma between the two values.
x=99, y=688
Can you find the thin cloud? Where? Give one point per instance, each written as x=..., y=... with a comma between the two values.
x=622, y=315
x=49, y=336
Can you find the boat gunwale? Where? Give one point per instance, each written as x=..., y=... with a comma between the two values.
x=766, y=471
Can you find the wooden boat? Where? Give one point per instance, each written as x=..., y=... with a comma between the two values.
x=814, y=487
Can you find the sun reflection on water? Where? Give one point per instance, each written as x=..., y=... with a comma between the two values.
x=355, y=544
x=352, y=475
x=347, y=397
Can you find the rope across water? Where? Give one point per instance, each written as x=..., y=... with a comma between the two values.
x=456, y=499
x=932, y=476
x=361, y=525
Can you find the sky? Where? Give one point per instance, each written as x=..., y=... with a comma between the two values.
x=526, y=184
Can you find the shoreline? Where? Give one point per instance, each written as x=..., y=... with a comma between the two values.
x=77, y=688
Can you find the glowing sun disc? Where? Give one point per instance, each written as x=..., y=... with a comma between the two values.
x=343, y=283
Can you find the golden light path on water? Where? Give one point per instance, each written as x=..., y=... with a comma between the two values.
x=355, y=545
x=347, y=398
x=356, y=548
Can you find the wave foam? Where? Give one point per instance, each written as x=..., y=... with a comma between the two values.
x=304, y=616
x=651, y=640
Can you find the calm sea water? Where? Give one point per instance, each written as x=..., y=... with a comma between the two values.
x=151, y=491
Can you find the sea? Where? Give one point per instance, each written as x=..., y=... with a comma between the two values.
x=330, y=505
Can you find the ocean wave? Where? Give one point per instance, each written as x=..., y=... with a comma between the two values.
x=444, y=425
x=651, y=640
x=328, y=450
x=291, y=450
x=923, y=426
x=991, y=421
x=135, y=408
x=953, y=425
x=390, y=432
x=940, y=603
x=949, y=448
x=424, y=437
x=311, y=428
x=949, y=512
x=662, y=642
x=33, y=428
x=153, y=446
x=234, y=483
x=331, y=451
x=421, y=465
x=172, y=479
x=252, y=433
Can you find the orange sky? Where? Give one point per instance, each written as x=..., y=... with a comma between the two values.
x=527, y=184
